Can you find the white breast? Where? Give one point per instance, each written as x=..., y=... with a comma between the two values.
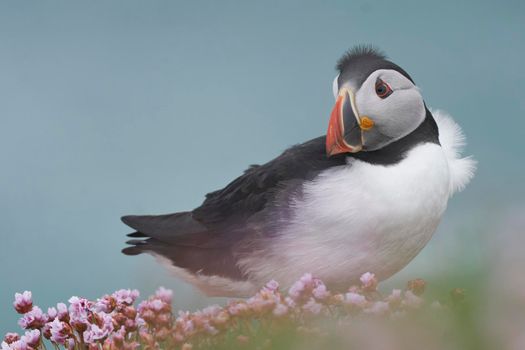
x=360, y=217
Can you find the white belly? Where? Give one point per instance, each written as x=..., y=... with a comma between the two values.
x=359, y=218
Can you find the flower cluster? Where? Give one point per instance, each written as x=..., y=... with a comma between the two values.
x=113, y=322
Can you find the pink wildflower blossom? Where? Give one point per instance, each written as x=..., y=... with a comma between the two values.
x=307, y=279
x=185, y=323
x=166, y=295
x=238, y=308
x=312, y=307
x=62, y=312
x=94, y=332
x=33, y=319
x=354, y=299
x=79, y=309
x=272, y=286
x=23, y=302
x=296, y=290
x=32, y=338
x=105, y=304
x=320, y=292
x=60, y=331
x=395, y=298
x=17, y=345
x=261, y=302
x=126, y=296
x=369, y=281
x=51, y=314
x=156, y=305
x=11, y=337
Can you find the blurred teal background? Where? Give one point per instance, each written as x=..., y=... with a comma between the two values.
x=118, y=107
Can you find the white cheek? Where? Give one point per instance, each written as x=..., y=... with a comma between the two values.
x=397, y=115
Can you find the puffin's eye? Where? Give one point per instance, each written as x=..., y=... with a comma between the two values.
x=382, y=89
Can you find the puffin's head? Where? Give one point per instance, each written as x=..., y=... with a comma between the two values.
x=377, y=103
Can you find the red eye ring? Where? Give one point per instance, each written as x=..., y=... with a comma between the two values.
x=383, y=90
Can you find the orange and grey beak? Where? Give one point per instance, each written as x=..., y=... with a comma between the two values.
x=345, y=129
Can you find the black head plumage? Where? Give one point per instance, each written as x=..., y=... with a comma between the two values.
x=360, y=61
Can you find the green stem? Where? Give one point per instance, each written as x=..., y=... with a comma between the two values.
x=42, y=342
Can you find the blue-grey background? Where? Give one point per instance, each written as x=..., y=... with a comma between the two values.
x=117, y=107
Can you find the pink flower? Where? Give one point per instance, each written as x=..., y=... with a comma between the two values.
x=60, y=331
x=312, y=307
x=105, y=304
x=301, y=287
x=210, y=311
x=238, y=308
x=23, y=302
x=32, y=338
x=126, y=296
x=95, y=333
x=395, y=297
x=296, y=290
x=51, y=314
x=17, y=345
x=33, y=319
x=139, y=322
x=354, y=299
x=117, y=338
x=272, y=286
x=369, y=281
x=79, y=311
x=166, y=295
x=307, y=279
x=320, y=292
x=261, y=302
x=306, y=287
x=156, y=305
x=11, y=337
x=62, y=313
x=185, y=322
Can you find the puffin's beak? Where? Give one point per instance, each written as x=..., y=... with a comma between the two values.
x=345, y=127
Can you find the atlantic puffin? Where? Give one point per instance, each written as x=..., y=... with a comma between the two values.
x=366, y=197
